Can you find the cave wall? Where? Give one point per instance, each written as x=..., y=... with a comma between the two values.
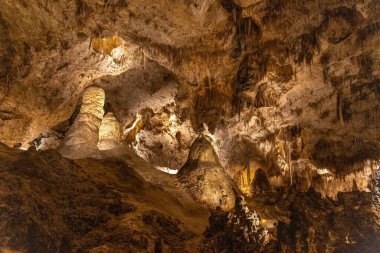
x=245, y=72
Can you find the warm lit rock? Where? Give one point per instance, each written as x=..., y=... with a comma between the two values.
x=287, y=92
x=204, y=177
x=238, y=231
x=49, y=140
x=82, y=138
x=110, y=132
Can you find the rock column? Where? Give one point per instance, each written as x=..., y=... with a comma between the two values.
x=82, y=138
x=110, y=132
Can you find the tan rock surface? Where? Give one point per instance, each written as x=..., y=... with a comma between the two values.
x=291, y=87
x=110, y=132
x=82, y=138
x=205, y=179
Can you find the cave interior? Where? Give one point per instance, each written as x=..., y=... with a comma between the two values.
x=212, y=126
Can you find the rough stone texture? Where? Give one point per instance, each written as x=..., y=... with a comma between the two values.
x=260, y=184
x=238, y=231
x=164, y=139
x=48, y=140
x=82, y=138
x=204, y=177
x=323, y=225
x=256, y=66
x=328, y=183
x=110, y=132
x=52, y=204
x=290, y=86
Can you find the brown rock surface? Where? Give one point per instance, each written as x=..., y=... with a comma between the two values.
x=288, y=87
x=110, y=132
x=82, y=138
x=204, y=177
x=52, y=204
x=293, y=63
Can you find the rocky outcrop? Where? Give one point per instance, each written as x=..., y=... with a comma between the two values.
x=238, y=231
x=51, y=204
x=323, y=225
x=330, y=183
x=204, y=177
x=260, y=66
x=82, y=138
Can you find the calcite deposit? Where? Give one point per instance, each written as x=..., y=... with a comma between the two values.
x=110, y=132
x=202, y=102
x=236, y=232
x=82, y=138
x=204, y=177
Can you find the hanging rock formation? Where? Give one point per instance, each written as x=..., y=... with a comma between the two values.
x=204, y=177
x=324, y=225
x=292, y=87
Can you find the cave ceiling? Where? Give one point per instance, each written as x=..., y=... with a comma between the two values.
x=255, y=75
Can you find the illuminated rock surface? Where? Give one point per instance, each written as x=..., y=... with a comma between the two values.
x=239, y=231
x=288, y=93
x=82, y=138
x=204, y=177
x=110, y=132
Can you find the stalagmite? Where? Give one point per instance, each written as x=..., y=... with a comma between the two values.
x=82, y=138
x=204, y=177
x=124, y=123
x=110, y=132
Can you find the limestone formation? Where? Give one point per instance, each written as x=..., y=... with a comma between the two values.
x=286, y=94
x=238, y=231
x=344, y=220
x=82, y=138
x=110, y=132
x=204, y=177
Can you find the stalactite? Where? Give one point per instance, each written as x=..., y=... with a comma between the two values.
x=290, y=162
x=242, y=179
x=339, y=100
x=248, y=174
